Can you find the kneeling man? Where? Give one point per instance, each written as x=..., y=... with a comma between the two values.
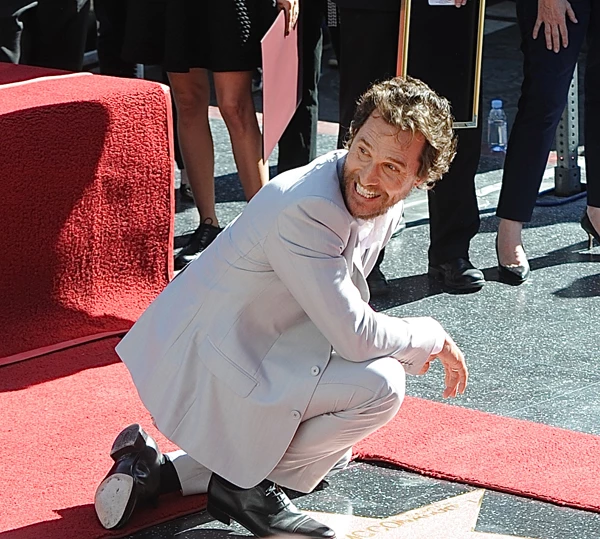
x=262, y=360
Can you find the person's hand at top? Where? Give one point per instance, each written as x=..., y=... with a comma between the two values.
x=291, y=9
x=459, y=3
x=455, y=368
x=553, y=15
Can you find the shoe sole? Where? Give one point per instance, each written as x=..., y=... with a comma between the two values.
x=112, y=498
x=132, y=438
x=507, y=277
x=439, y=276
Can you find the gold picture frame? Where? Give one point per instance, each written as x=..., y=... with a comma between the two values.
x=453, y=71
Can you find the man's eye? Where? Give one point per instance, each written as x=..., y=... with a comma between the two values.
x=391, y=167
x=362, y=150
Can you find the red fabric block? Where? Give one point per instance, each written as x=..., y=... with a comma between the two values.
x=86, y=206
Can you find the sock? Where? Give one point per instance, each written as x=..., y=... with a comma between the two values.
x=169, y=480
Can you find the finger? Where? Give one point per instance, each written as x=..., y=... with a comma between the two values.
x=465, y=381
x=425, y=368
x=450, y=390
x=548, y=35
x=571, y=14
x=555, y=38
x=536, y=28
x=462, y=381
x=447, y=378
x=565, y=34
x=286, y=13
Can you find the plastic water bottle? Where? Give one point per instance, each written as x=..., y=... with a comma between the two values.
x=497, y=131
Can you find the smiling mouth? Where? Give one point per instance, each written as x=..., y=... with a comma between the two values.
x=365, y=193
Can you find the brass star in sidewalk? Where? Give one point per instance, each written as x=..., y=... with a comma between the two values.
x=453, y=518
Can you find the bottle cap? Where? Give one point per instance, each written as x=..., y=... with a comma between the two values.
x=496, y=103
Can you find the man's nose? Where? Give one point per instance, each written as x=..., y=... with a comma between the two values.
x=369, y=175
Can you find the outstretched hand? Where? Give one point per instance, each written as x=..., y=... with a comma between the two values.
x=291, y=9
x=553, y=15
x=455, y=368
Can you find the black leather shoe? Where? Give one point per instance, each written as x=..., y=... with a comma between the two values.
x=202, y=237
x=378, y=284
x=458, y=274
x=134, y=477
x=513, y=275
x=263, y=510
x=587, y=225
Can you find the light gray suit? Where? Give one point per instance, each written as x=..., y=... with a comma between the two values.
x=234, y=359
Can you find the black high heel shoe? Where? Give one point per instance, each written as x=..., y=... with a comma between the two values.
x=514, y=275
x=587, y=225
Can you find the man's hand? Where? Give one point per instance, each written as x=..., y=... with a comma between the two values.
x=553, y=15
x=459, y=3
x=291, y=9
x=455, y=368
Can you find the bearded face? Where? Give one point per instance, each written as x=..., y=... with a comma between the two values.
x=381, y=168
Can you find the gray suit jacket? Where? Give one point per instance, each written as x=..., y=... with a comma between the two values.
x=227, y=358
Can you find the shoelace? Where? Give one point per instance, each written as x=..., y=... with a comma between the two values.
x=280, y=498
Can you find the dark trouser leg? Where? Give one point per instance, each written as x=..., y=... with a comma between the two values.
x=334, y=34
x=453, y=210
x=111, y=16
x=298, y=144
x=547, y=76
x=368, y=51
x=56, y=32
x=592, y=109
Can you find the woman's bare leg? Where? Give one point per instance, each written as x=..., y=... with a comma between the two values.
x=234, y=96
x=191, y=92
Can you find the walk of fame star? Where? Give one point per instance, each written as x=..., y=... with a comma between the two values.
x=453, y=518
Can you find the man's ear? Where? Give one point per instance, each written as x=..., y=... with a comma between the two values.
x=421, y=182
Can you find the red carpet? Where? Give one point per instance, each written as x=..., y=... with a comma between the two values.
x=61, y=412
x=509, y=455
x=86, y=206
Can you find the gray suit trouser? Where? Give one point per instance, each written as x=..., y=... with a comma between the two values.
x=351, y=401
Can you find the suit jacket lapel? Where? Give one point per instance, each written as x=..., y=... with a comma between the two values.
x=353, y=257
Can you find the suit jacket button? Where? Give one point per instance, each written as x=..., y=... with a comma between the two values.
x=296, y=414
x=315, y=371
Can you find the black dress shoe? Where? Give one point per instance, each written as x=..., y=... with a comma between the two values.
x=378, y=284
x=513, y=275
x=202, y=237
x=587, y=225
x=134, y=477
x=263, y=510
x=458, y=274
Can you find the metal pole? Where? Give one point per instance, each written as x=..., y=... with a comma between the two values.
x=567, y=174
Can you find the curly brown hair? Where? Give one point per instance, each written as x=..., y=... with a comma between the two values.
x=411, y=105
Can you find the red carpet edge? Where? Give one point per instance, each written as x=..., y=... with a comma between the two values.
x=44, y=350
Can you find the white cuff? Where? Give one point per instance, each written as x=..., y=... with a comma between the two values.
x=427, y=338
